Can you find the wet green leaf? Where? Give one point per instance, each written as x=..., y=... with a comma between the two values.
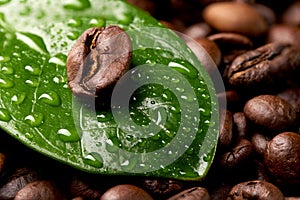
x=170, y=126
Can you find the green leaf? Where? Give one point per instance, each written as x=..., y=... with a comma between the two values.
x=169, y=127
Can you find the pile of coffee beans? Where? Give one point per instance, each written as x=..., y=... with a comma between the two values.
x=256, y=47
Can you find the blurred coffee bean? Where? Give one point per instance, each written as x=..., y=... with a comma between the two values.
x=267, y=13
x=163, y=187
x=261, y=173
x=16, y=181
x=292, y=198
x=235, y=17
x=259, y=143
x=282, y=157
x=255, y=189
x=231, y=45
x=226, y=121
x=2, y=162
x=270, y=112
x=146, y=5
x=210, y=47
x=230, y=97
x=40, y=190
x=238, y=156
x=240, y=124
x=292, y=14
x=196, y=193
x=284, y=33
x=265, y=66
x=125, y=192
x=292, y=95
x=82, y=189
x=198, y=30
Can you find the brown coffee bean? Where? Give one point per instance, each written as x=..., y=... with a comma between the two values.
x=226, y=121
x=198, y=30
x=270, y=112
x=259, y=143
x=162, y=187
x=264, y=66
x=292, y=14
x=282, y=157
x=256, y=189
x=235, y=17
x=266, y=12
x=240, y=124
x=196, y=193
x=98, y=59
x=238, y=156
x=284, y=33
x=125, y=192
x=231, y=45
x=19, y=179
x=39, y=190
x=146, y=5
x=292, y=95
x=80, y=188
x=231, y=97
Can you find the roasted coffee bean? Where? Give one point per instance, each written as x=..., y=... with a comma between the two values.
x=98, y=59
x=282, y=157
x=199, y=30
x=231, y=45
x=39, y=190
x=125, y=192
x=270, y=112
x=266, y=12
x=196, y=193
x=259, y=143
x=162, y=188
x=292, y=14
x=284, y=33
x=15, y=182
x=226, y=121
x=230, y=97
x=240, y=124
x=82, y=189
x=292, y=95
x=264, y=66
x=238, y=156
x=146, y=5
x=256, y=189
x=235, y=17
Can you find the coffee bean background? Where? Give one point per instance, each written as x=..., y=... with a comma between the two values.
x=255, y=45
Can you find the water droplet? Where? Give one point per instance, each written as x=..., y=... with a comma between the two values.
x=58, y=60
x=28, y=135
x=94, y=159
x=4, y=115
x=104, y=116
x=35, y=119
x=110, y=147
x=175, y=80
x=4, y=58
x=184, y=68
x=74, y=22
x=50, y=98
x=68, y=136
x=32, y=83
x=33, y=70
x=33, y=41
x=180, y=89
x=59, y=79
x=7, y=70
x=97, y=22
x=6, y=83
x=18, y=98
x=128, y=165
x=207, y=158
x=73, y=35
x=77, y=4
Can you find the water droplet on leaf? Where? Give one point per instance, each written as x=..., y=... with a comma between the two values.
x=4, y=115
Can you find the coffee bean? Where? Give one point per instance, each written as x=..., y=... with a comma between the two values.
x=146, y=5
x=259, y=143
x=238, y=156
x=235, y=17
x=260, y=68
x=199, y=30
x=292, y=95
x=270, y=112
x=292, y=14
x=39, y=190
x=256, y=189
x=285, y=34
x=16, y=181
x=196, y=193
x=98, y=59
x=282, y=157
x=125, y=192
x=2, y=162
x=82, y=189
x=266, y=12
x=162, y=188
x=240, y=124
x=226, y=121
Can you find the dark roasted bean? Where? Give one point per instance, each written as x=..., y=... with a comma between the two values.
x=256, y=189
x=162, y=187
x=282, y=157
x=225, y=136
x=240, y=123
x=270, y=112
x=259, y=143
